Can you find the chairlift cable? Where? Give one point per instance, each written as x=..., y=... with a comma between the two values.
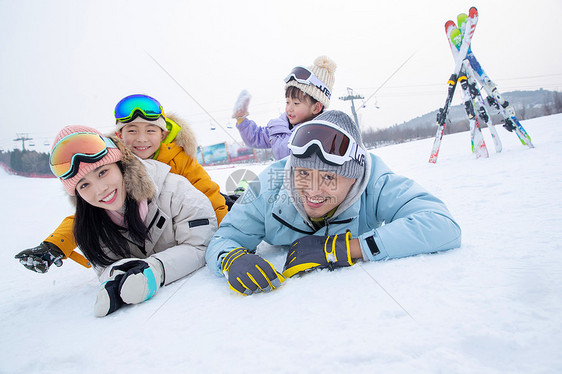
x=192, y=98
x=383, y=83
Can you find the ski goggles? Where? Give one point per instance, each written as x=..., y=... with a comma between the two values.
x=143, y=105
x=305, y=76
x=73, y=149
x=332, y=144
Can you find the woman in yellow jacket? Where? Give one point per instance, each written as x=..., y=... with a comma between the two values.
x=143, y=127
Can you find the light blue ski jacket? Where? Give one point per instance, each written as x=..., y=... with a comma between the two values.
x=383, y=208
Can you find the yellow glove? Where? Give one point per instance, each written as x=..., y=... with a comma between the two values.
x=318, y=252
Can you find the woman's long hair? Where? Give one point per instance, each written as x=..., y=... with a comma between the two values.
x=93, y=227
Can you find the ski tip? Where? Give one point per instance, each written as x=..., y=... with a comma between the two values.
x=455, y=36
x=449, y=24
x=473, y=12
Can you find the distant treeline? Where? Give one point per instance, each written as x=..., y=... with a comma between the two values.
x=28, y=162
x=527, y=104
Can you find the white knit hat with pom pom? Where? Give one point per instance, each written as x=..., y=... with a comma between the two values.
x=324, y=69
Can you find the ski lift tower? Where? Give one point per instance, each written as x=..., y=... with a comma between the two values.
x=352, y=97
x=23, y=138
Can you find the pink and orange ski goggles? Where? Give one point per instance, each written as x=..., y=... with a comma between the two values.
x=73, y=149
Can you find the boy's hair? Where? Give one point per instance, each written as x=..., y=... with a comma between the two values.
x=139, y=118
x=294, y=92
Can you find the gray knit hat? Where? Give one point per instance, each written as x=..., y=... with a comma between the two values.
x=350, y=169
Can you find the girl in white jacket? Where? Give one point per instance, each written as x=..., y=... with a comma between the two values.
x=140, y=226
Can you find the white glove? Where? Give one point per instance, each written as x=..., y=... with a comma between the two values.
x=241, y=106
x=132, y=281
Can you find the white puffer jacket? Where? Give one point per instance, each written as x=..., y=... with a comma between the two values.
x=180, y=220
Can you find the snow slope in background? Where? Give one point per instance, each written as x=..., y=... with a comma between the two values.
x=492, y=306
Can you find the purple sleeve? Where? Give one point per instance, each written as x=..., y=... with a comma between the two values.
x=253, y=135
x=279, y=134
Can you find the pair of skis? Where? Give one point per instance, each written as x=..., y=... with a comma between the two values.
x=470, y=26
x=473, y=101
x=468, y=72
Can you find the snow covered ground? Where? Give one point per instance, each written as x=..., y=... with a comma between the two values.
x=492, y=306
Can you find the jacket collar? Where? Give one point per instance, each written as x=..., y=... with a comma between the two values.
x=288, y=214
x=173, y=130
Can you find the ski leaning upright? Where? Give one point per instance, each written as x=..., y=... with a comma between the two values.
x=477, y=139
x=495, y=99
x=472, y=93
x=471, y=22
x=480, y=107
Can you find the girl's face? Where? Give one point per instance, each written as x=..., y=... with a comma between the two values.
x=103, y=187
x=142, y=138
x=301, y=110
x=321, y=191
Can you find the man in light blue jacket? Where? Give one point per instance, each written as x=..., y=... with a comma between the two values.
x=332, y=203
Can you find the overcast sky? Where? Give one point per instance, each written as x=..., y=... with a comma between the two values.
x=70, y=62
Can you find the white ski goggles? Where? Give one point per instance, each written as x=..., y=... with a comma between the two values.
x=305, y=76
x=332, y=144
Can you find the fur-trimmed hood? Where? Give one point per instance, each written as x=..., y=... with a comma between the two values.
x=185, y=137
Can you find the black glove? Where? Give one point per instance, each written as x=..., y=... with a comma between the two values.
x=40, y=258
x=108, y=299
x=229, y=200
x=248, y=273
x=318, y=252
